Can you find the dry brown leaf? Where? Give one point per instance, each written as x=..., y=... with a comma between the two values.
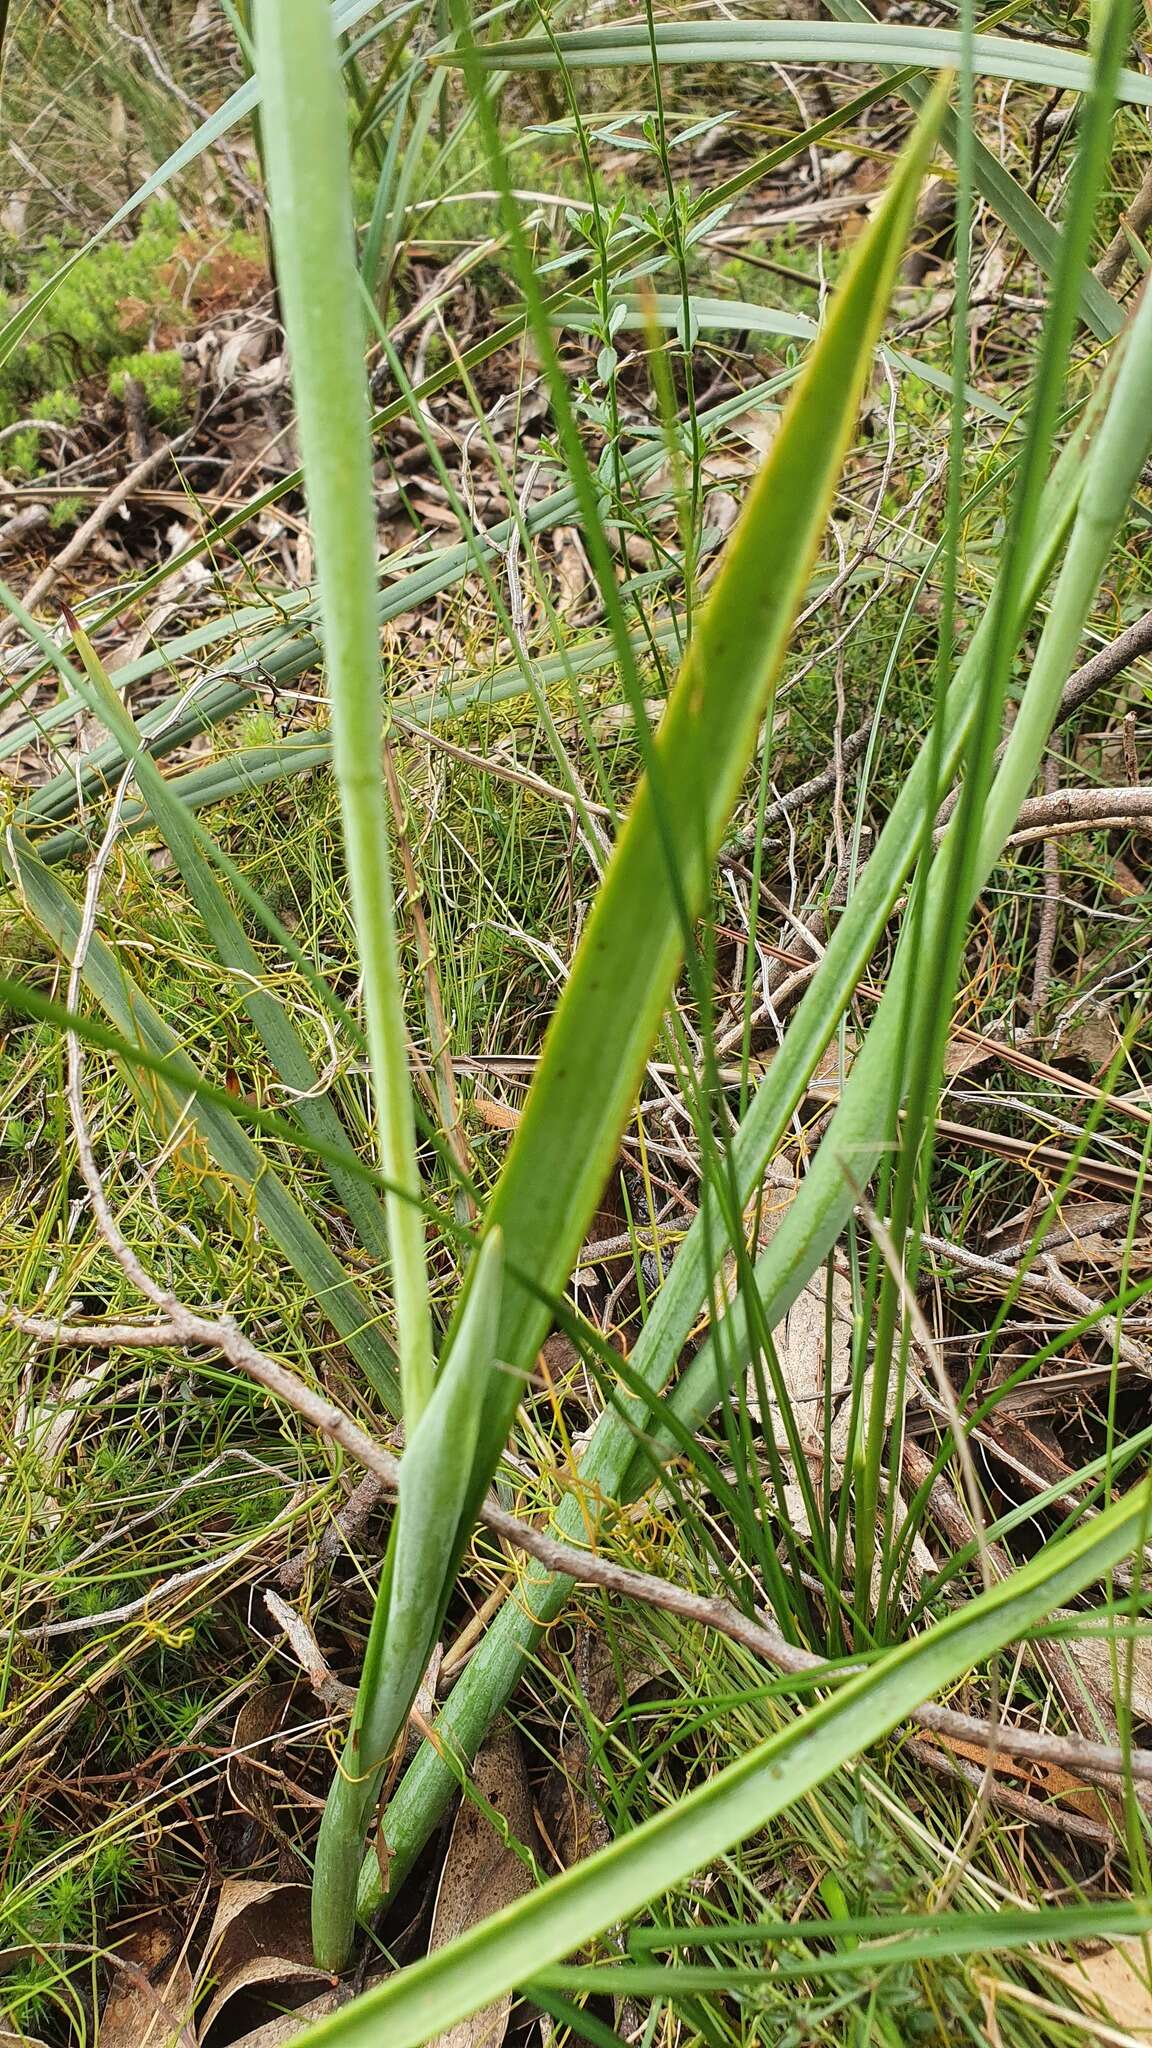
x=1115, y=1981
x=1040, y=1780
x=151, y=1995
x=254, y=1777
x=261, y=1935
x=275, y=2033
x=481, y=1873
x=286, y=2025
x=274, y=1971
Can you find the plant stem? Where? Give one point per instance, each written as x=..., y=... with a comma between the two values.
x=313, y=234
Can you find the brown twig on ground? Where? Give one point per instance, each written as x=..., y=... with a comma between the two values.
x=21, y=524
x=1083, y=683
x=90, y=527
x=1051, y=1285
x=342, y=1530
x=1072, y=810
x=584, y=1567
x=1065, y=1819
x=806, y=792
x=1133, y=221
x=1049, y=904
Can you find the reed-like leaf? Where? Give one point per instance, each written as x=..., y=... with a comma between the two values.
x=312, y=229
x=434, y=1481
x=608, y=1015
x=492, y=1674
x=886, y=45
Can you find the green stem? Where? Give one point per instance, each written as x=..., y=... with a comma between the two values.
x=313, y=233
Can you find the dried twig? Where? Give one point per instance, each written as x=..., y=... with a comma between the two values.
x=1049, y=904
x=1134, y=219
x=1083, y=683
x=90, y=527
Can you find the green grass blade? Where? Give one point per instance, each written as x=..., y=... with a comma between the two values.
x=809, y=42
x=219, y=1141
x=299, y=70
x=499, y=1661
x=857, y=1131
x=231, y=943
x=508, y=1949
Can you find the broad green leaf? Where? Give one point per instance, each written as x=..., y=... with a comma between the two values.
x=508, y=1949
x=1115, y=460
x=434, y=1479
x=609, y=1013
x=218, y=1147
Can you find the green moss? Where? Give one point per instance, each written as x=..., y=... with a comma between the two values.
x=160, y=375
x=65, y=513
x=119, y=311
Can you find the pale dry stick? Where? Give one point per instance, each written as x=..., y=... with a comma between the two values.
x=505, y=771
x=96, y=520
x=1064, y=1819
x=583, y=1567
x=28, y=520
x=65, y=432
x=1122, y=806
x=804, y=792
x=1134, y=219
x=1104, y=666
x=341, y=1533
x=145, y=1603
x=336, y=1696
x=1055, y=1658
x=1049, y=904
x=1052, y=1285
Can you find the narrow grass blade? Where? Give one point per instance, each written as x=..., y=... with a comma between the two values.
x=857, y=1131
x=244, y=1179
x=299, y=70
x=499, y=1661
x=809, y=42
x=233, y=949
